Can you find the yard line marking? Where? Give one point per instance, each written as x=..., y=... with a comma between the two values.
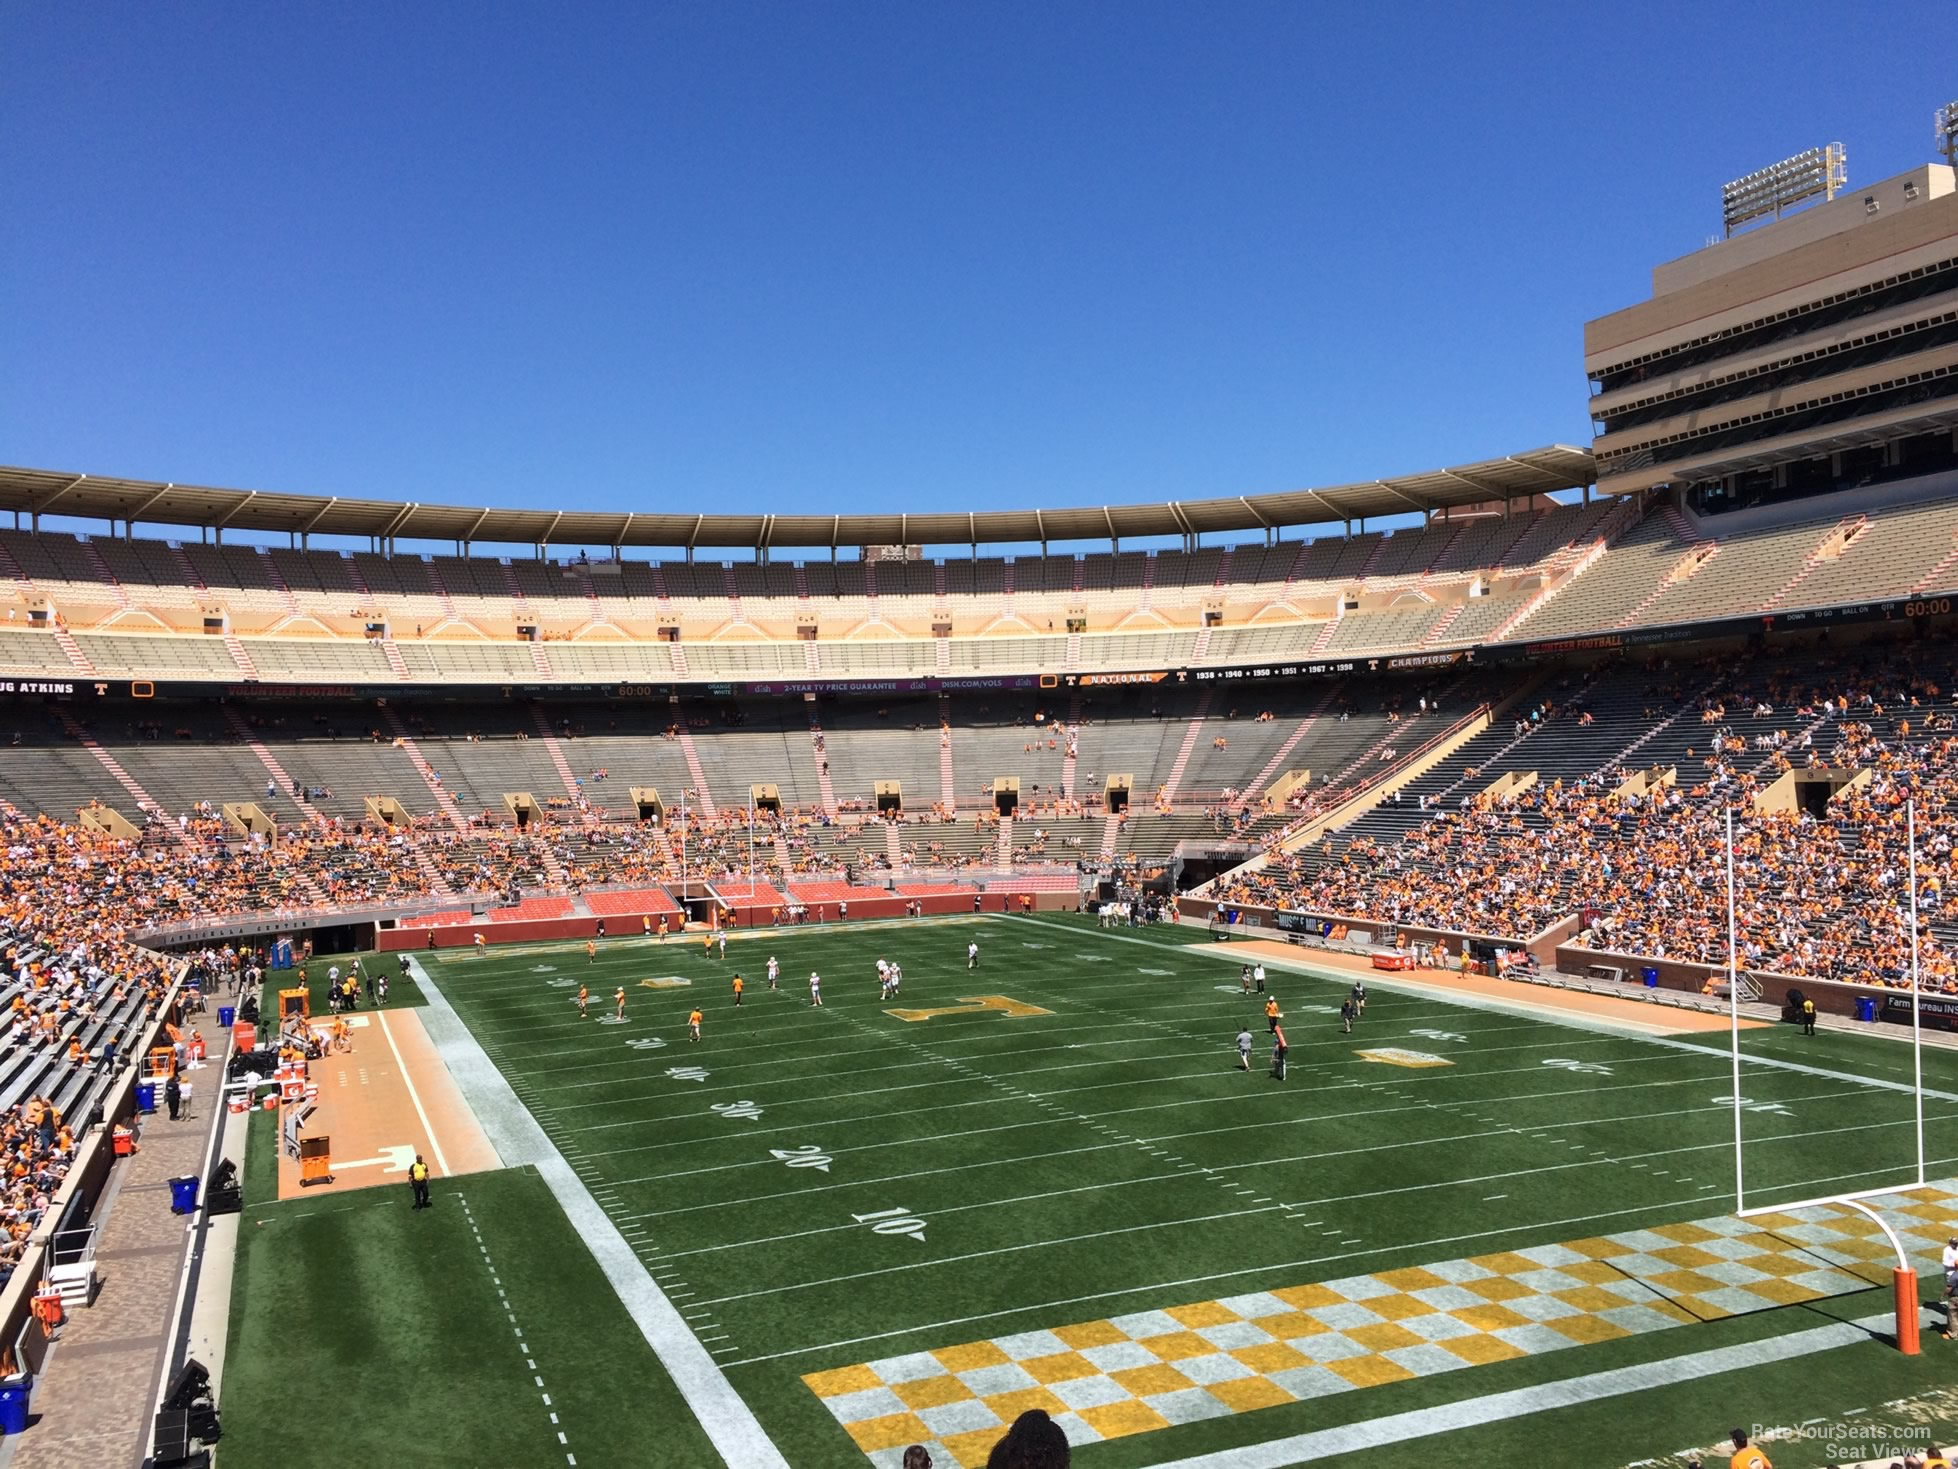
x=983, y=1254
x=530, y=1362
x=1309, y=1262
x=1059, y=1193
x=727, y=1420
x=1231, y=1098
x=434, y=1142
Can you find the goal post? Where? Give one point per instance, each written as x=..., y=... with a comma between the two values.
x=1903, y=1275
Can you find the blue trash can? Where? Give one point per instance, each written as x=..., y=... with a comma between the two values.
x=13, y=1406
x=227, y=1016
x=183, y=1195
x=1651, y=978
x=1866, y=1007
x=145, y=1096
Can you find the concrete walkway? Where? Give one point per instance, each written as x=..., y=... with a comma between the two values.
x=93, y=1402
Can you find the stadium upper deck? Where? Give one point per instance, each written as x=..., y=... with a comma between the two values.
x=1495, y=575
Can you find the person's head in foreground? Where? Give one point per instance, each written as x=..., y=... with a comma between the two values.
x=1035, y=1441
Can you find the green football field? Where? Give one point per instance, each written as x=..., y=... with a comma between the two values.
x=1050, y=1184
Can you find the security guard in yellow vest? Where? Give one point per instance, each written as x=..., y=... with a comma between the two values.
x=418, y=1181
x=1808, y=1016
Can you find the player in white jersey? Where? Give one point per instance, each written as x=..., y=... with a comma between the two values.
x=883, y=977
x=774, y=972
x=972, y=954
x=815, y=988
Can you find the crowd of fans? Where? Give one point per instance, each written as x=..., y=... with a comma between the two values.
x=1821, y=895
x=76, y=991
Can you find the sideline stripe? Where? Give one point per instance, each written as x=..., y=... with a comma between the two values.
x=1353, y=1438
x=434, y=1142
x=729, y=1423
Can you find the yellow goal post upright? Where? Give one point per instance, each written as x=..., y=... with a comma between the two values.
x=1903, y=1276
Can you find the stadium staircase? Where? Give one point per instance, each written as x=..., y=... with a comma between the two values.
x=11, y=569
x=182, y=557
x=1190, y=737
x=1326, y=633
x=240, y=656
x=539, y=660
x=1146, y=592
x=1653, y=732
x=1071, y=760
x=1073, y=659
x=1622, y=517
x=279, y=583
x=1440, y=630
x=519, y=600
x=122, y=777
x=1824, y=551
x=280, y=776
x=595, y=614
x=1111, y=837
x=733, y=590
x=703, y=793
x=1689, y=565
x=811, y=659
x=66, y=642
x=1404, y=770
x=1003, y=845
x=948, y=790
x=556, y=751
x=1276, y=763
x=1200, y=646
x=893, y=846
x=445, y=800
x=92, y=554
x=818, y=745
x=395, y=660
x=941, y=655
x=1373, y=558
x=679, y=656
x=450, y=613
x=1933, y=579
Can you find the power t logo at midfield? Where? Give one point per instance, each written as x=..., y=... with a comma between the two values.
x=973, y=1005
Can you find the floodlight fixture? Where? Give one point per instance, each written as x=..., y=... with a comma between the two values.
x=1948, y=132
x=1818, y=172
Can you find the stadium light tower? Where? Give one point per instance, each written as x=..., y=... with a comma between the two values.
x=1778, y=187
x=1948, y=132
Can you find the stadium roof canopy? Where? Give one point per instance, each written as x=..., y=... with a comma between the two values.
x=90, y=497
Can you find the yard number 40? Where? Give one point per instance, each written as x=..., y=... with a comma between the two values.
x=894, y=1221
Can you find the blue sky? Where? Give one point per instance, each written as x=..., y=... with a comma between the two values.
x=865, y=256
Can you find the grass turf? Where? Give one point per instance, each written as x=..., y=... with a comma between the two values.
x=402, y=995
x=366, y=1332
x=1109, y=1157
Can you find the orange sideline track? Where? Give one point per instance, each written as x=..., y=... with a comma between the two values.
x=366, y=1106
x=1640, y=1014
